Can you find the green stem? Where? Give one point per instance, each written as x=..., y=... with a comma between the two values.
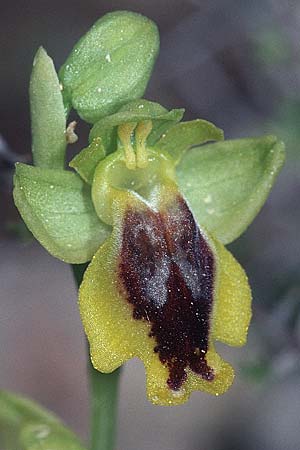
x=104, y=392
x=104, y=396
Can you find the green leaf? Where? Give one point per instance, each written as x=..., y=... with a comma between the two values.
x=87, y=160
x=110, y=65
x=227, y=183
x=178, y=139
x=48, y=120
x=24, y=425
x=57, y=208
x=135, y=111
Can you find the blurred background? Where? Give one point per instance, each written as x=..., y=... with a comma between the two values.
x=232, y=62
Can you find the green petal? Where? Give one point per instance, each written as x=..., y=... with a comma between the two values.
x=57, y=208
x=135, y=111
x=178, y=139
x=48, y=118
x=110, y=65
x=87, y=160
x=25, y=425
x=226, y=183
x=160, y=126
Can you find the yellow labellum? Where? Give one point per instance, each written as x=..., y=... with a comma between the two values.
x=161, y=289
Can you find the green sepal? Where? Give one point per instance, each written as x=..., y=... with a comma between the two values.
x=135, y=111
x=110, y=65
x=24, y=425
x=57, y=208
x=178, y=139
x=87, y=160
x=48, y=120
x=226, y=183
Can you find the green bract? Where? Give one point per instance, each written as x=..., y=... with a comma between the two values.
x=110, y=65
x=26, y=426
x=48, y=121
x=226, y=183
x=57, y=208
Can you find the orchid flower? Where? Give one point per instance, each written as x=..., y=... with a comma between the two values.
x=151, y=202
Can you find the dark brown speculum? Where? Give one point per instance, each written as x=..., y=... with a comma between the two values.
x=167, y=271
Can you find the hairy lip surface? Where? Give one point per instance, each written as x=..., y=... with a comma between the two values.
x=166, y=268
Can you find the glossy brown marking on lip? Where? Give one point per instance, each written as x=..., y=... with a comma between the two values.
x=167, y=271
